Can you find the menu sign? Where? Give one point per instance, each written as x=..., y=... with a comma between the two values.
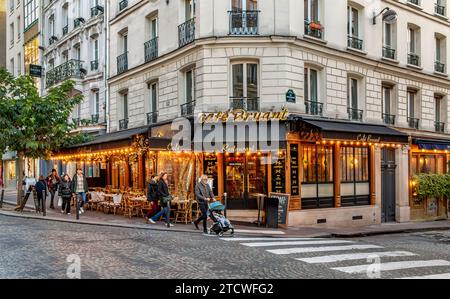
x=295, y=188
x=278, y=176
x=283, y=207
x=210, y=169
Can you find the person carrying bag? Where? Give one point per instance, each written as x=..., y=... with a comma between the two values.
x=165, y=199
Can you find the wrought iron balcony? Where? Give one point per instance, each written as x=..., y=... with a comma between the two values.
x=413, y=123
x=314, y=108
x=355, y=43
x=247, y=104
x=313, y=29
x=355, y=114
x=123, y=4
x=72, y=69
x=122, y=63
x=389, y=119
x=152, y=117
x=94, y=65
x=388, y=52
x=244, y=22
x=439, y=127
x=415, y=2
x=188, y=109
x=186, y=33
x=439, y=67
x=123, y=124
x=51, y=41
x=151, y=49
x=76, y=23
x=76, y=121
x=413, y=59
x=95, y=11
x=94, y=118
x=65, y=29
x=439, y=9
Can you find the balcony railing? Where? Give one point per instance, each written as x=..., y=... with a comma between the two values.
x=151, y=49
x=413, y=59
x=415, y=2
x=94, y=65
x=247, y=104
x=388, y=52
x=439, y=9
x=188, y=109
x=186, y=33
x=122, y=63
x=313, y=29
x=123, y=4
x=439, y=67
x=355, y=43
x=65, y=29
x=72, y=69
x=314, y=108
x=244, y=22
x=355, y=114
x=439, y=127
x=413, y=123
x=152, y=117
x=51, y=41
x=76, y=23
x=94, y=118
x=389, y=119
x=123, y=124
x=95, y=11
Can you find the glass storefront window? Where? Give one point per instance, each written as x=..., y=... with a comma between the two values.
x=428, y=164
x=317, y=164
x=180, y=168
x=354, y=164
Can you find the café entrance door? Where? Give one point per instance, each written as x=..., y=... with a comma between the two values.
x=245, y=178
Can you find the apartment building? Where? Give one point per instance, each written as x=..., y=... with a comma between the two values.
x=3, y=33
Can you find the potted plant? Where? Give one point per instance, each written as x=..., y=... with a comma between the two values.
x=315, y=25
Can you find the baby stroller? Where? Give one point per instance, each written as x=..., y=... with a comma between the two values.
x=221, y=224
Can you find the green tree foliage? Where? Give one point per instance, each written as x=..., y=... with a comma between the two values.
x=432, y=186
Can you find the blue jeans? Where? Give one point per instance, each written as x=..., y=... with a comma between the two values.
x=166, y=212
x=83, y=198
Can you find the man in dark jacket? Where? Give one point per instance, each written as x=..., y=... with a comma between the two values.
x=80, y=187
x=204, y=195
x=152, y=195
x=41, y=192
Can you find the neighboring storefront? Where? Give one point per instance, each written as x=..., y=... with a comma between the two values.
x=10, y=169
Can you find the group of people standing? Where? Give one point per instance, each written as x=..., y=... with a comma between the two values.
x=65, y=188
x=159, y=195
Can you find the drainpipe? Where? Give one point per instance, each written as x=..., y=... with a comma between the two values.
x=106, y=68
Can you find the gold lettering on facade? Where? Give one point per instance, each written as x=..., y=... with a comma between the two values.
x=239, y=115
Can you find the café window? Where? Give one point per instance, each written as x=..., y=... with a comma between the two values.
x=355, y=180
x=428, y=164
x=317, y=178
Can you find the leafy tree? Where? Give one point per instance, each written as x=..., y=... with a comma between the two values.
x=34, y=126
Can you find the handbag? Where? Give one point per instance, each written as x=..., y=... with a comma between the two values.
x=166, y=199
x=59, y=201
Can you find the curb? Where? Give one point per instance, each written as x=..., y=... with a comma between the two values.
x=390, y=232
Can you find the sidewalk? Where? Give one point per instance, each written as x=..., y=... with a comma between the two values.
x=99, y=218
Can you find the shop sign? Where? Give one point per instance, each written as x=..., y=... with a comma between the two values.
x=35, y=71
x=238, y=115
x=295, y=187
x=278, y=176
x=210, y=168
x=368, y=138
x=283, y=207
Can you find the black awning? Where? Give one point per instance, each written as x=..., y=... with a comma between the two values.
x=344, y=130
x=432, y=144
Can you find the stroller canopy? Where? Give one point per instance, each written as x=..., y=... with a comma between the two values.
x=217, y=206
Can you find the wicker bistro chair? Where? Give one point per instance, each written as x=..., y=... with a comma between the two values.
x=184, y=212
x=115, y=205
x=132, y=208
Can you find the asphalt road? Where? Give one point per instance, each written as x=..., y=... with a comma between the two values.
x=45, y=249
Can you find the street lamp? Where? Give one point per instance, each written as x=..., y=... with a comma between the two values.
x=389, y=16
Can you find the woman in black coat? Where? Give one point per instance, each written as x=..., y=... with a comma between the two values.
x=152, y=195
x=165, y=198
x=65, y=191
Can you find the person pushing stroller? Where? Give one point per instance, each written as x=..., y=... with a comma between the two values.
x=204, y=195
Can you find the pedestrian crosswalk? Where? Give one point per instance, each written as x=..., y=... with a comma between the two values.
x=351, y=257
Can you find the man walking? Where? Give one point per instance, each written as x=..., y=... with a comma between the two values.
x=80, y=188
x=204, y=195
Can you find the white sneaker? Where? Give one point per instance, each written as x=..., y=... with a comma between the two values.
x=68, y=213
x=82, y=210
x=151, y=221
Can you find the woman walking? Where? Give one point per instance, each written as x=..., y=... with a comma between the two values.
x=165, y=198
x=65, y=191
x=152, y=195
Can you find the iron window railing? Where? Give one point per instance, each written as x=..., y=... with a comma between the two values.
x=151, y=49
x=439, y=67
x=76, y=23
x=122, y=63
x=65, y=29
x=188, y=108
x=94, y=118
x=71, y=69
x=186, y=33
x=152, y=117
x=415, y=2
x=413, y=59
x=439, y=9
x=247, y=104
x=244, y=22
x=94, y=65
x=313, y=29
x=95, y=11
x=413, y=123
x=389, y=119
x=388, y=52
x=123, y=124
x=439, y=127
x=355, y=114
x=123, y=4
x=355, y=43
x=314, y=108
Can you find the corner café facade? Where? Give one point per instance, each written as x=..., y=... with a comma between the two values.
x=336, y=172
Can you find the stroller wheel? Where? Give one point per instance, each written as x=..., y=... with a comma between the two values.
x=221, y=234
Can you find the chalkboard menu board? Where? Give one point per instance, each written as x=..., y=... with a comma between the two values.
x=278, y=176
x=210, y=169
x=295, y=188
x=283, y=207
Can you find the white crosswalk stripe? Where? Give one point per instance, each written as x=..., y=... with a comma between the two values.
x=353, y=257
x=322, y=249
x=394, y=266
x=268, y=239
x=298, y=243
x=436, y=276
